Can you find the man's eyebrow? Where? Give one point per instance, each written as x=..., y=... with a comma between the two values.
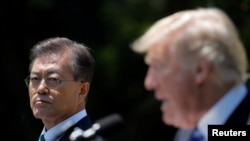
x=147, y=59
x=49, y=72
x=53, y=71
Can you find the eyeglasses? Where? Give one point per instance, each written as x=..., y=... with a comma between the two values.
x=50, y=82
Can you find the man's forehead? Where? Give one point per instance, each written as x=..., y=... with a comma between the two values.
x=156, y=52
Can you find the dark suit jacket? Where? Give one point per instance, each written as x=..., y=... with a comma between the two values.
x=84, y=124
x=241, y=113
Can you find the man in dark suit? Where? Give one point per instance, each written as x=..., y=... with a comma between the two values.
x=198, y=70
x=61, y=71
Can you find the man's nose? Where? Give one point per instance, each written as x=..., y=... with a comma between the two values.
x=42, y=87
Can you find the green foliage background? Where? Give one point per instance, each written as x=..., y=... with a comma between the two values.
x=108, y=27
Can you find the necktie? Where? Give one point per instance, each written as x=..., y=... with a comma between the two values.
x=41, y=138
x=196, y=136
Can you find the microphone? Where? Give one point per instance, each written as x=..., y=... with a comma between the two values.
x=98, y=127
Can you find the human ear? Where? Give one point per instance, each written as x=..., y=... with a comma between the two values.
x=203, y=69
x=84, y=90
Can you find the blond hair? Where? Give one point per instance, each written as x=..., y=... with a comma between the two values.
x=206, y=32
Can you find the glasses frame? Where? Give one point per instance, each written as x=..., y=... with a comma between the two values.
x=27, y=81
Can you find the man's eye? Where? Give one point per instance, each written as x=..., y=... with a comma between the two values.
x=53, y=79
x=35, y=79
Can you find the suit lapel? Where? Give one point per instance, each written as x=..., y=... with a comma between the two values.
x=84, y=124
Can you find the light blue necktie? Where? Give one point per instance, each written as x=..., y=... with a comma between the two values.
x=196, y=136
x=41, y=138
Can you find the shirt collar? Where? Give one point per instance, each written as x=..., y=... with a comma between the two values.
x=220, y=112
x=56, y=131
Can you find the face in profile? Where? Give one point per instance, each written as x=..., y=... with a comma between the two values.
x=173, y=83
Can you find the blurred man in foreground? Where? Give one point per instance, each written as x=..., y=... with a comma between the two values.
x=197, y=68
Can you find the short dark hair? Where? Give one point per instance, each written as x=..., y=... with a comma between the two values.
x=82, y=59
